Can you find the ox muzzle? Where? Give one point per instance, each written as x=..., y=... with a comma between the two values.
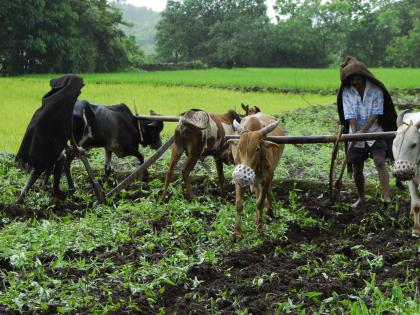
x=243, y=175
x=404, y=170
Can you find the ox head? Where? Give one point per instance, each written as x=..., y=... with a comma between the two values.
x=249, y=152
x=150, y=132
x=406, y=148
x=250, y=110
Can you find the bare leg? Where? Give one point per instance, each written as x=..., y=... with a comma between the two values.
x=67, y=170
x=176, y=155
x=383, y=177
x=239, y=206
x=359, y=180
x=29, y=183
x=46, y=181
x=58, y=169
x=221, y=176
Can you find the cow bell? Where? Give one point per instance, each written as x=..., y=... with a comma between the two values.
x=243, y=175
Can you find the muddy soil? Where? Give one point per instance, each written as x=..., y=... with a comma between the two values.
x=233, y=281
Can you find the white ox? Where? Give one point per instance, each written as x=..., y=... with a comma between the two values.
x=406, y=150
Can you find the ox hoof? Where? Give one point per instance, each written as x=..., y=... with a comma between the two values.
x=415, y=233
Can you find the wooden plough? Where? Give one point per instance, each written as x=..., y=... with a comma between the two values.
x=336, y=139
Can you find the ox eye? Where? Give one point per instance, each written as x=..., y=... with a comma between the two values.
x=413, y=145
x=257, y=149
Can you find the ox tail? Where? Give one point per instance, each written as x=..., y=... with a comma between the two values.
x=138, y=123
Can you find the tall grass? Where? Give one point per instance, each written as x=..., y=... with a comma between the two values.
x=20, y=97
x=261, y=77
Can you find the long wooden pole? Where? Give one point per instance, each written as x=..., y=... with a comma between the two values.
x=158, y=118
x=142, y=168
x=325, y=138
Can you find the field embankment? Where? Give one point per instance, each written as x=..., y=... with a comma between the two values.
x=290, y=78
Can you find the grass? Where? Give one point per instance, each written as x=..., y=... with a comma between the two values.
x=20, y=97
x=324, y=79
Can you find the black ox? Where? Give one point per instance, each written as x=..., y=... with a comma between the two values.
x=115, y=129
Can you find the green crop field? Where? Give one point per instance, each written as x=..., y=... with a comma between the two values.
x=134, y=255
x=270, y=77
x=20, y=97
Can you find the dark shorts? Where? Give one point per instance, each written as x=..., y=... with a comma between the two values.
x=357, y=155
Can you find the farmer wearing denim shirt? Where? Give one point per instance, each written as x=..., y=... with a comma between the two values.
x=364, y=105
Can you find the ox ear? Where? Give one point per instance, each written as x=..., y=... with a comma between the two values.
x=237, y=126
x=269, y=128
x=257, y=109
x=234, y=148
x=153, y=113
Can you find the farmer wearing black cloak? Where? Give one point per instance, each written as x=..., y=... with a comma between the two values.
x=364, y=105
x=49, y=131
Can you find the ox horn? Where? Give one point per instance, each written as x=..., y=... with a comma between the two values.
x=237, y=126
x=269, y=128
x=400, y=119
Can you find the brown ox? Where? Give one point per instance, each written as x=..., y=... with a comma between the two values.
x=200, y=134
x=256, y=160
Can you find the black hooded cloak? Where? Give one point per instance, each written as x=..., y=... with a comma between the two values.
x=352, y=66
x=51, y=125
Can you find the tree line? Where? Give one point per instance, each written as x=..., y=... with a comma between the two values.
x=307, y=33
x=44, y=36
x=64, y=36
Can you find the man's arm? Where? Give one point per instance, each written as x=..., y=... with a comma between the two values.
x=353, y=125
x=369, y=123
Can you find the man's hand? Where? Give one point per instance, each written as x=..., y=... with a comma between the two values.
x=75, y=150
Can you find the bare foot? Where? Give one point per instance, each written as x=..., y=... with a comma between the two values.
x=360, y=204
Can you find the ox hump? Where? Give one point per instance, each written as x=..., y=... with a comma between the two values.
x=198, y=119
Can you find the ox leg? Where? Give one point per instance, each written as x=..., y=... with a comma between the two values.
x=269, y=201
x=221, y=176
x=108, y=158
x=176, y=155
x=35, y=173
x=189, y=166
x=415, y=207
x=58, y=169
x=261, y=198
x=140, y=157
x=239, y=206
